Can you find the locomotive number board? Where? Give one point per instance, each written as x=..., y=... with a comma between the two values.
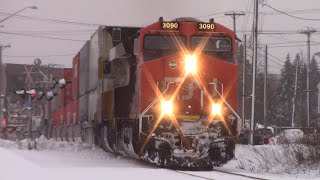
x=206, y=26
x=169, y=25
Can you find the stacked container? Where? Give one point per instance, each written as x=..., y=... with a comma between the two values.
x=100, y=44
x=75, y=76
x=67, y=97
x=84, y=82
x=75, y=88
x=67, y=74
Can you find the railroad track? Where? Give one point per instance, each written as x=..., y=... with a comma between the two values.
x=215, y=170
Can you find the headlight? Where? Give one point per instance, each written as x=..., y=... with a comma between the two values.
x=166, y=107
x=190, y=64
x=216, y=109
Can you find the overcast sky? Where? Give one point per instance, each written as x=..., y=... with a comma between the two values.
x=141, y=13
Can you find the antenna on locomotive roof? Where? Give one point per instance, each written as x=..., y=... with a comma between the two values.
x=211, y=20
x=160, y=18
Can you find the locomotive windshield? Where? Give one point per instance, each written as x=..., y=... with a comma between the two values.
x=217, y=46
x=156, y=46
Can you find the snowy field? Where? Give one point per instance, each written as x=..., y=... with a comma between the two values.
x=63, y=160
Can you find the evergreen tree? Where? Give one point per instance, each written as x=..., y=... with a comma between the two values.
x=285, y=92
x=314, y=81
x=300, y=98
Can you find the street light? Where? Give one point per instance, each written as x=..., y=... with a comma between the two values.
x=29, y=7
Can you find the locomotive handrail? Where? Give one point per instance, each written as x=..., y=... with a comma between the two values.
x=227, y=104
x=149, y=107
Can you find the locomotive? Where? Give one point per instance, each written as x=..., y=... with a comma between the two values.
x=165, y=93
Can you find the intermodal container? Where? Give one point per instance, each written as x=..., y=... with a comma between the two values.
x=67, y=74
x=74, y=111
x=93, y=108
x=84, y=69
x=67, y=114
x=75, y=76
x=83, y=107
x=61, y=116
x=100, y=44
x=55, y=102
x=61, y=98
x=55, y=119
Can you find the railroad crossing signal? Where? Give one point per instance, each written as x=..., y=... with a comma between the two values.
x=28, y=78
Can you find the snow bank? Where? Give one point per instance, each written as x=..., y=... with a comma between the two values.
x=275, y=159
x=288, y=136
x=8, y=144
x=44, y=144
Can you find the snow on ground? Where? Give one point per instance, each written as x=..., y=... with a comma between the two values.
x=64, y=160
x=269, y=160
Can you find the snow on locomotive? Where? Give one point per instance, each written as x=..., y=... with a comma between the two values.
x=165, y=93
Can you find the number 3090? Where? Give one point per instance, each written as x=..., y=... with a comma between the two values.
x=206, y=26
x=170, y=25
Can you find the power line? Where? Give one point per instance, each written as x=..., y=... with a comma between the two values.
x=244, y=25
x=282, y=12
x=298, y=45
x=274, y=59
x=26, y=56
x=213, y=14
x=299, y=11
x=51, y=31
x=44, y=37
x=52, y=20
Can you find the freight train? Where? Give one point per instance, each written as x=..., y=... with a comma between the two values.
x=165, y=93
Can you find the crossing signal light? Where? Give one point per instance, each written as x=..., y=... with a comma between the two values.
x=20, y=92
x=61, y=83
x=39, y=94
x=3, y=123
x=32, y=93
x=49, y=95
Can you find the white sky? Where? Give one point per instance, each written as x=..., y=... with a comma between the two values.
x=140, y=13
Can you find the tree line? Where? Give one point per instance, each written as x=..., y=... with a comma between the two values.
x=281, y=91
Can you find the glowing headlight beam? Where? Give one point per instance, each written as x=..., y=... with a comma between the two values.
x=190, y=64
x=216, y=109
x=167, y=107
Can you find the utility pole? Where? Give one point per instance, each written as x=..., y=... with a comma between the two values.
x=1, y=84
x=265, y=91
x=295, y=94
x=234, y=16
x=308, y=32
x=244, y=80
x=2, y=80
x=254, y=66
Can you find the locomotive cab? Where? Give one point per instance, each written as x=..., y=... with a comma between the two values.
x=188, y=93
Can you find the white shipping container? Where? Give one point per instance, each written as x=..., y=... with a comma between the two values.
x=100, y=44
x=84, y=69
x=93, y=64
x=83, y=107
x=92, y=105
